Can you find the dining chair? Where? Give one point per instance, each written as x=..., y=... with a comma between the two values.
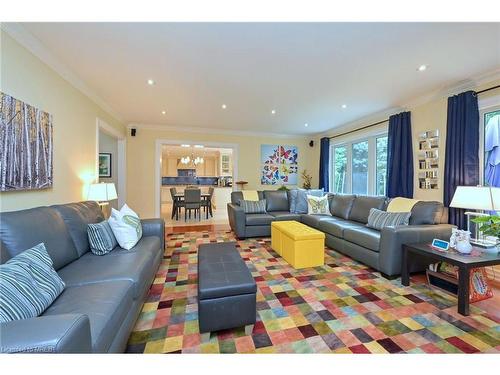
x=207, y=202
x=192, y=201
x=177, y=203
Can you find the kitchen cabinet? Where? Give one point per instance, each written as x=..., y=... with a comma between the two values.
x=225, y=165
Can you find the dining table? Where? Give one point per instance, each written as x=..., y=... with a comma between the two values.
x=179, y=197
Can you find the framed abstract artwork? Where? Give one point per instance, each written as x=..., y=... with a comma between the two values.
x=105, y=165
x=279, y=165
x=26, y=154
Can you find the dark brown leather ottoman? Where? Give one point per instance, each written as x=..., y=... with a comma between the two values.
x=226, y=290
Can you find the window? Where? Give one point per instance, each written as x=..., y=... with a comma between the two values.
x=491, y=147
x=359, y=166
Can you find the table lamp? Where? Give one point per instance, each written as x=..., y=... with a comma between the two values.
x=102, y=193
x=481, y=198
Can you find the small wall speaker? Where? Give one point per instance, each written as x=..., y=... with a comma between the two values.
x=133, y=132
x=311, y=143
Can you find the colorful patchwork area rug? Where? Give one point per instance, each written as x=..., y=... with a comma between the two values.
x=341, y=307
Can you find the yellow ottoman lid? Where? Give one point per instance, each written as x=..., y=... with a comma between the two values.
x=299, y=231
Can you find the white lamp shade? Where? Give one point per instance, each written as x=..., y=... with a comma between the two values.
x=102, y=192
x=475, y=197
x=495, y=196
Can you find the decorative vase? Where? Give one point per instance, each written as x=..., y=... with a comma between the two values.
x=463, y=246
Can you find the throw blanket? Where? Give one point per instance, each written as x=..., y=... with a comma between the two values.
x=250, y=195
x=400, y=204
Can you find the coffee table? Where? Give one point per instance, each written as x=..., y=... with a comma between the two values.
x=425, y=252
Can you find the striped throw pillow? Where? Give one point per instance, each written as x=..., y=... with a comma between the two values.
x=101, y=238
x=378, y=219
x=29, y=285
x=253, y=207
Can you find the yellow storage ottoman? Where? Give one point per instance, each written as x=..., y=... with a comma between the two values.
x=276, y=227
x=302, y=246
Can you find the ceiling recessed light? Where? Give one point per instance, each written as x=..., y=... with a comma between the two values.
x=185, y=145
x=199, y=146
x=224, y=106
x=273, y=112
x=151, y=82
x=163, y=112
x=306, y=124
x=344, y=106
x=421, y=68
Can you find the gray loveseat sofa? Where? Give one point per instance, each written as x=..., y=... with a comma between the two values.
x=104, y=294
x=346, y=229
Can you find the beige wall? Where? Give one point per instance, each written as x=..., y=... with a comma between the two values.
x=109, y=145
x=27, y=78
x=141, y=161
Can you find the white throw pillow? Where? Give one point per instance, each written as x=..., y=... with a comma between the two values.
x=318, y=205
x=126, y=227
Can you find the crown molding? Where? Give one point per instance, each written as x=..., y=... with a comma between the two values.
x=32, y=44
x=216, y=131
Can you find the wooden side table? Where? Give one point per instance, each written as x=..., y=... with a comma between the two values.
x=424, y=251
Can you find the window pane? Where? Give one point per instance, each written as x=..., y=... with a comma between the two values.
x=381, y=177
x=360, y=167
x=340, y=159
x=492, y=148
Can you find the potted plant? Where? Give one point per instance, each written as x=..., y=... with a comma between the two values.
x=283, y=188
x=307, y=180
x=489, y=226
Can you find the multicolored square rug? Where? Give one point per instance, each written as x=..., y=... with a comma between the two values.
x=341, y=307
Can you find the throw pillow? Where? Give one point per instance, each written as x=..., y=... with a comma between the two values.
x=253, y=207
x=378, y=219
x=317, y=205
x=298, y=199
x=29, y=284
x=101, y=238
x=126, y=227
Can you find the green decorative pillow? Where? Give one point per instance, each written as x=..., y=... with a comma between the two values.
x=318, y=205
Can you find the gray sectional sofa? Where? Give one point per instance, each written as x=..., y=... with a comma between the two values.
x=346, y=229
x=104, y=294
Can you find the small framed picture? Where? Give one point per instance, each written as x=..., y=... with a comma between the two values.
x=104, y=164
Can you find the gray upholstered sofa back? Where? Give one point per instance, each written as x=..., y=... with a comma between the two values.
x=62, y=228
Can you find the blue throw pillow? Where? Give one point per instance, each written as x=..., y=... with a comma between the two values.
x=101, y=238
x=29, y=285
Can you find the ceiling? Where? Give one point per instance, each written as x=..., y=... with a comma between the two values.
x=304, y=71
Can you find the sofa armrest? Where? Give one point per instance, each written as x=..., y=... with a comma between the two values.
x=237, y=219
x=392, y=239
x=154, y=227
x=65, y=333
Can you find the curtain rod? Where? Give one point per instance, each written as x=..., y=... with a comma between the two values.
x=358, y=129
x=381, y=122
x=488, y=89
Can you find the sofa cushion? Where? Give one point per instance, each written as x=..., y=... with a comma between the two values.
x=101, y=238
x=378, y=219
x=254, y=207
x=318, y=205
x=277, y=200
x=341, y=205
x=258, y=219
x=298, y=199
x=362, y=205
x=426, y=213
x=77, y=216
x=21, y=230
x=106, y=304
x=135, y=266
x=362, y=236
x=284, y=215
x=336, y=226
x=313, y=220
x=237, y=196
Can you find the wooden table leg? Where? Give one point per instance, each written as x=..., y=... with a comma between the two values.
x=463, y=290
x=405, y=267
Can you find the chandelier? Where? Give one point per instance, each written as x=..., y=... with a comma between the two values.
x=196, y=161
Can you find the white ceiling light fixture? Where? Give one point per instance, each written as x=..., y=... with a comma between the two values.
x=344, y=106
x=224, y=106
x=185, y=145
x=198, y=146
x=273, y=111
x=422, y=68
x=150, y=82
x=163, y=112
x=306, y=124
